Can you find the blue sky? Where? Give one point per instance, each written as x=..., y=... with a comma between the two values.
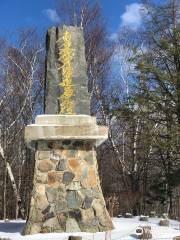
x=41, y=14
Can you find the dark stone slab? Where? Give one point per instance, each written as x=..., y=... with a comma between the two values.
x=48, y=216
x=62, y=165
x=89, y=158
x=75, y=214
x=74, y=200
x=46, y=210
x=68, y=177
x=53, y=76
x=60, y=206
x=87, y=202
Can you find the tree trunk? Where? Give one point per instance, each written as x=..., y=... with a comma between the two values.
x=8, y=171
x=4, y=194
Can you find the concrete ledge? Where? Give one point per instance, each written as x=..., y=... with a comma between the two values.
x=50, y=132
x=68, y=120
x=57, y=127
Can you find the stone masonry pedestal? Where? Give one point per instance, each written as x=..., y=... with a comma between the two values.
x=66, y=194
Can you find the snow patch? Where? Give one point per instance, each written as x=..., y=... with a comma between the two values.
x=125, y=229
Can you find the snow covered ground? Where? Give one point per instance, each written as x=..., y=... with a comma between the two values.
x=124, y=230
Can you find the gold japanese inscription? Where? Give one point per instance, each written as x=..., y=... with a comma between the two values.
x=65, y=59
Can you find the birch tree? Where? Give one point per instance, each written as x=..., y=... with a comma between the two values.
x=21, y=88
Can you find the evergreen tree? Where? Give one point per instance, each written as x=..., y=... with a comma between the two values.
x=158, y=71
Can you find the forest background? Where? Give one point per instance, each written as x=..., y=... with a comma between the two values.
x=134, y=81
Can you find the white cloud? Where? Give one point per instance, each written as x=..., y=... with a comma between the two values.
x=132, y=16
x=52, y=15
x=113, y=36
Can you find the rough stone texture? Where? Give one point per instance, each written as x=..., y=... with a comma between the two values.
x=35, y=228
x=72, y=225
x=62, y=165
x=54, y=77
x=87, y=202
x=144, y=232
x=45, y=166
x=66, y=195
x=68, y=177
x=68, y=199
x=164, y=222
x=143, y=218
x=74, y=200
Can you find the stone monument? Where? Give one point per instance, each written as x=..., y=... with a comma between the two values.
x=66, y=195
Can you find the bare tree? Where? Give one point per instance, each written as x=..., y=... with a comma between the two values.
x=21, y=89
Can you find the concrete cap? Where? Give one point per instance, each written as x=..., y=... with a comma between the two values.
x=57, y=127
x=68, y=120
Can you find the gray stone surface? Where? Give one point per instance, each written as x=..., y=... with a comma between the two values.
x=70, y=190
x=51, y=223
x=68, y=177
x=143, y=218
x=60, y=206
x=89, y=158
x=45, y=166
x=74, y=186
x=51, y=194
x=74, y=200
x=72, y=226
x=55, y=157
x=48, y=216
x=164, y=222
x=62, y=165
x=87, y=202
x=53, y=77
